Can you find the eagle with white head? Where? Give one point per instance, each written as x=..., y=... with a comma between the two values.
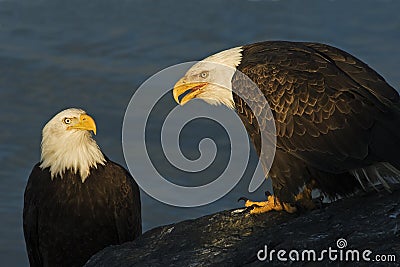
x=336, y=119
x=77, y=201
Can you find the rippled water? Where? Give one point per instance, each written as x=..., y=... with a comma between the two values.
x=94, y=54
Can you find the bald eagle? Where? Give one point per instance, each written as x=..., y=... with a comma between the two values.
x=76, y=200
x=337, y=120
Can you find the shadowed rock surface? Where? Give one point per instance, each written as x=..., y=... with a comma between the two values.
x=233, y=238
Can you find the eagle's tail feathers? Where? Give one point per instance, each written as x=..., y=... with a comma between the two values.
x=383, y=173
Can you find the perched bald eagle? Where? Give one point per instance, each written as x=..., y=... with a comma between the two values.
x=76, y=201
x=337, y=120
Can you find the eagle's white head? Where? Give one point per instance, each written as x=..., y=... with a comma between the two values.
x=67, y=144
x=210, y=79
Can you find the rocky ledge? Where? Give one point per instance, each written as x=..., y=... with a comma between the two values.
x=367, y=226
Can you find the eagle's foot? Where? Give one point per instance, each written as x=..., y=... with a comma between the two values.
x=272, y=203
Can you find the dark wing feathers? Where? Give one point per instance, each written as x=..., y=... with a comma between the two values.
x=249, y=121
x=325, y=101
x=30, y=222
x=357, y=71
x=127, y=208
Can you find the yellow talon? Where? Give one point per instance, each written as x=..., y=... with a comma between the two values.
x=271, y=204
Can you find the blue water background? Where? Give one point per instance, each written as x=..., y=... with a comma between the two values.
x=94, y=54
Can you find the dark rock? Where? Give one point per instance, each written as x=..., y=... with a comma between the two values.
x=233, y=238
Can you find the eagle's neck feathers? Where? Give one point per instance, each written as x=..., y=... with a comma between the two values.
x=75, y=151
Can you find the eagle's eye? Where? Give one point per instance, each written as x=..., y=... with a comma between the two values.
x=67, y=120
x=204, y=74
